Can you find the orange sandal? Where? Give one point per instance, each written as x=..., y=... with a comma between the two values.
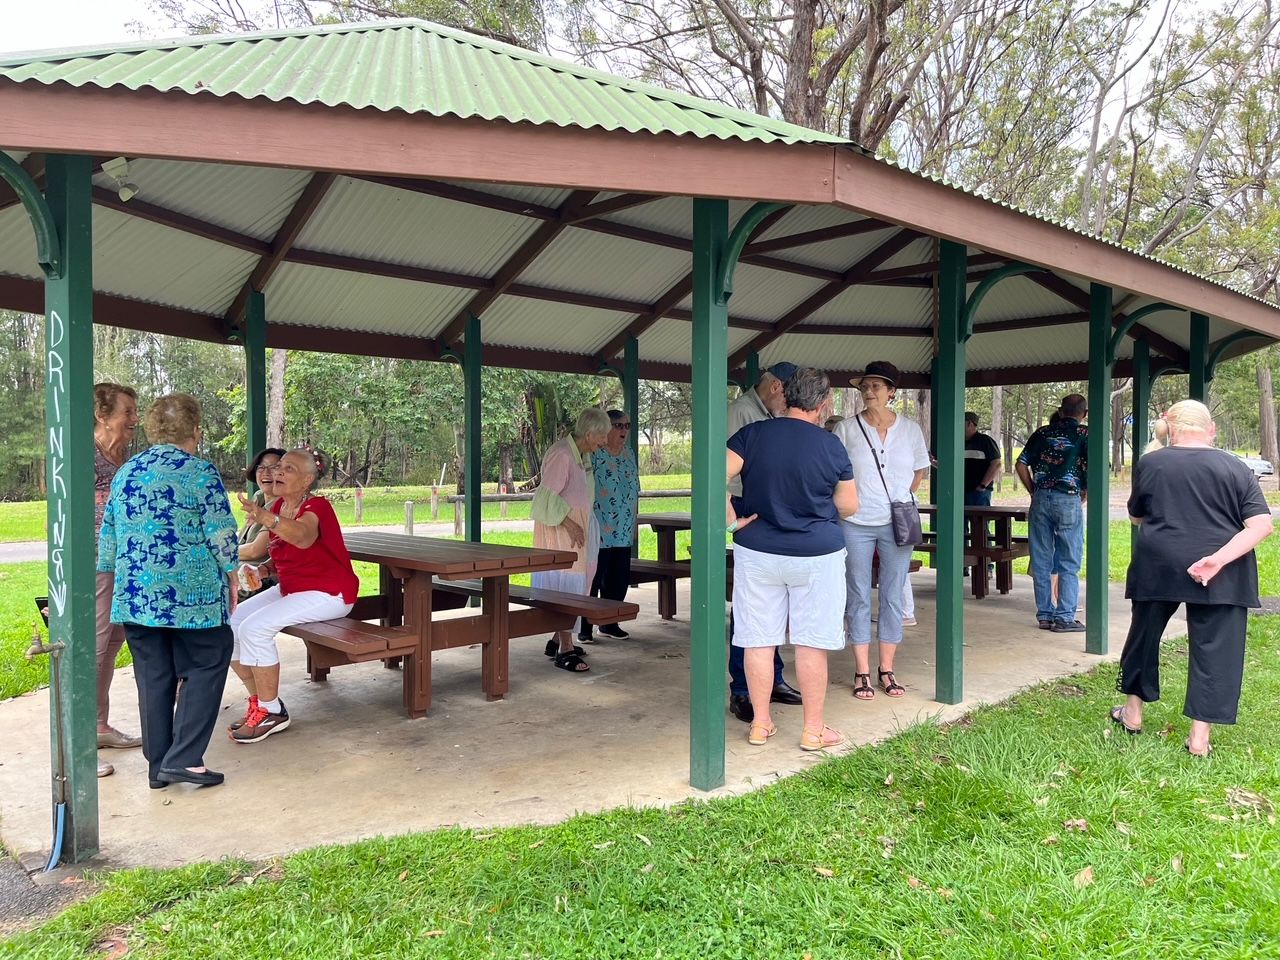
x=759, y=734
x=824, y=738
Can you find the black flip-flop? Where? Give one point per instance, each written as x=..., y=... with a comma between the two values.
x=553, y=649
x=1117, y=717
x=571, y=662
x=1186, y=745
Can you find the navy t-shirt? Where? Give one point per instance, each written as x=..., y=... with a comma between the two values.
x=789, y=473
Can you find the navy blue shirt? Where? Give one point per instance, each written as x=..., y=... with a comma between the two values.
x=789, y=473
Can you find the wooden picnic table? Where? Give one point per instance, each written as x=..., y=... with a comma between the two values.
x=667, y=569
x=413, y=562
x=995, y=544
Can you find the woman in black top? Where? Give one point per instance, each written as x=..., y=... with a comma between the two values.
x=1187, y=498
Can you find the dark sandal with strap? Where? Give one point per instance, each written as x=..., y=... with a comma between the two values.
x=571, y=661
x=862, y=688
x=553, y=649
x=1117, y=717
x=892, y=688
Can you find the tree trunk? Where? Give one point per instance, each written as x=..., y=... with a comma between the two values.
x=1117, y=433
x=997, y=429
x=1267, y=411
x=505, y=475
x=924, y=404
x=275, y=398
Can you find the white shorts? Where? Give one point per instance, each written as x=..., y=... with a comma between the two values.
x=771, y=591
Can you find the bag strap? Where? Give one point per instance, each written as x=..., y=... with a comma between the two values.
x=872, y=448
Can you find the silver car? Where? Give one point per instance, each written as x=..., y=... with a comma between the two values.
x=1261, y=468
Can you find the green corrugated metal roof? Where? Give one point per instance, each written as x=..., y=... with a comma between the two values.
x=408, y=65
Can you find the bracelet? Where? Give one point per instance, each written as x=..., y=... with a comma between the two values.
x=732, y=527
x=278, y=519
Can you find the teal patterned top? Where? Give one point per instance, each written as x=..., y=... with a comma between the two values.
x=617, y=482
x=169, y=538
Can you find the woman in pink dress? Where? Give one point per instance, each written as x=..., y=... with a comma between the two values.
x=564, y=519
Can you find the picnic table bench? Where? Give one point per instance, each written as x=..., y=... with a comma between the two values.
x=423, y=576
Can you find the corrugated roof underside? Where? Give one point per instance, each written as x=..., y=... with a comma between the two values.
x=542, y=325
x=338, y=299
x=850, y=352
x=614, y=266
x=418, y=68
x=373, y=222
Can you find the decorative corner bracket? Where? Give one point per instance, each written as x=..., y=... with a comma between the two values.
x=737, y=242
x=1113, y=345
x=48, y=246
x=980, y=293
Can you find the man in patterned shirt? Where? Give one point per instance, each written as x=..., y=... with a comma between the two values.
x=1053, y=467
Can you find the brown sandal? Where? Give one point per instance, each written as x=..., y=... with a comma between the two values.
x=891, y=686
x=759, y=734
x=824, y=738
x=862, y=688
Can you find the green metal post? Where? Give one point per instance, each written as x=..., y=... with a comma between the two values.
x=255, y=375
x=948, y=444
x=710, y=422
x=1141, y=409
x=753, y=370
x=1097, y=538
x=471, y=366
x=69, y=472
x=1199, y=366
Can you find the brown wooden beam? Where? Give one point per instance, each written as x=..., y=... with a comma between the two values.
x=796, y=315
x=823, y=235
x=1029, y=323
x=928, y=269
x=142, y=210
x=624, y=201
x=1080, y=299
x=303, y=208
x=378, y=268
x=460, y=194
x=516, y=264
x=27, y=296
x=860, y=330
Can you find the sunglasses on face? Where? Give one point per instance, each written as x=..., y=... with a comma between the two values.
x=622, y=426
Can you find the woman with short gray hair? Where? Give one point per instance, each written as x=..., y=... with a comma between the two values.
x=788, y=569
x=564, y=519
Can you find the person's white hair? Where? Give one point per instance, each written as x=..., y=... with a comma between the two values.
x=1190, y=416
x=591, y=420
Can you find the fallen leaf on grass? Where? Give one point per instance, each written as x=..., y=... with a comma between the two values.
x=1176, y=865
x=111, y=948
x=643, y=839
x=824, y=871
x=1218, y=818
x=1124, y=828
x=404, y=875
x=1148, y=881
x=888, y=843
x=647, y=868
x=1083, y=878
x=1239, y=856
x=944, y=893
x=604, y=846
x=888, y=781
x=484, y=836
x=68, y=881
x=1079, y=825
x=433, y=933
x=535, y=846
x=1050, y=841
x=913, y=883
x=1041, y=801
x=1163, y=732
x=1254, y=803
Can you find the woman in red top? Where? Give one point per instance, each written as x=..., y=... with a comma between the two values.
x=316, y=582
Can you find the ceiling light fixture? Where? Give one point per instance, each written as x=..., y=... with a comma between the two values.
x=118, y=170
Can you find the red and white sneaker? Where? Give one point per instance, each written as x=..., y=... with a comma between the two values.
x=253, y=705
x=260, y=724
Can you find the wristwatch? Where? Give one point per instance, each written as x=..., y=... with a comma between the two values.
x=277, y=523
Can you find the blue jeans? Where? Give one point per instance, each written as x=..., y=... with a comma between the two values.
x=738, y=670
x=977, y=498
x=1056, y=533
x=861, y=543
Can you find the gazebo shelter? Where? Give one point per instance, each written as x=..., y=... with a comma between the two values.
x=401, y=189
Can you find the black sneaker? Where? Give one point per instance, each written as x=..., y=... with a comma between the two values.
x=1067, y=626
x=613, y=630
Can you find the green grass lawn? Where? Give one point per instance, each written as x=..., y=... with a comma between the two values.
x=1029, y=829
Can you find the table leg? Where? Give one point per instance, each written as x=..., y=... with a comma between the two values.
x=417, y=672
x=496, y=594
x=1004, y=540
x=666, y=585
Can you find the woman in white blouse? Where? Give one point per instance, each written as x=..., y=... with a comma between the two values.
x=889, y=462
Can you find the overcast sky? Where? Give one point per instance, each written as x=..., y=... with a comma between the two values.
x=71, y=23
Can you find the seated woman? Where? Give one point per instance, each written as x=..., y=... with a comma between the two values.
x=262, y=471
x=316, y=582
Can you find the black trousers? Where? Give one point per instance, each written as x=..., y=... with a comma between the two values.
x=613, y=576
x=1216, y=634
x=176, y=734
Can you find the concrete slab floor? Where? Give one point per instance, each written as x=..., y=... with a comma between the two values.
x=353, y=766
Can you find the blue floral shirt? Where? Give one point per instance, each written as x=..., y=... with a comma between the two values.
x=169, y=538
x=617, y=482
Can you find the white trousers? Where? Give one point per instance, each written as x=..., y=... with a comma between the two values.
x=256, y=622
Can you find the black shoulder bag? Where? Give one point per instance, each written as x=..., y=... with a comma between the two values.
x=903, y=514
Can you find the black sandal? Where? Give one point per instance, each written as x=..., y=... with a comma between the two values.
x=553, y=649
x=893, y=688
x=1117, y=717
x=862, y=688
x=571, y=661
